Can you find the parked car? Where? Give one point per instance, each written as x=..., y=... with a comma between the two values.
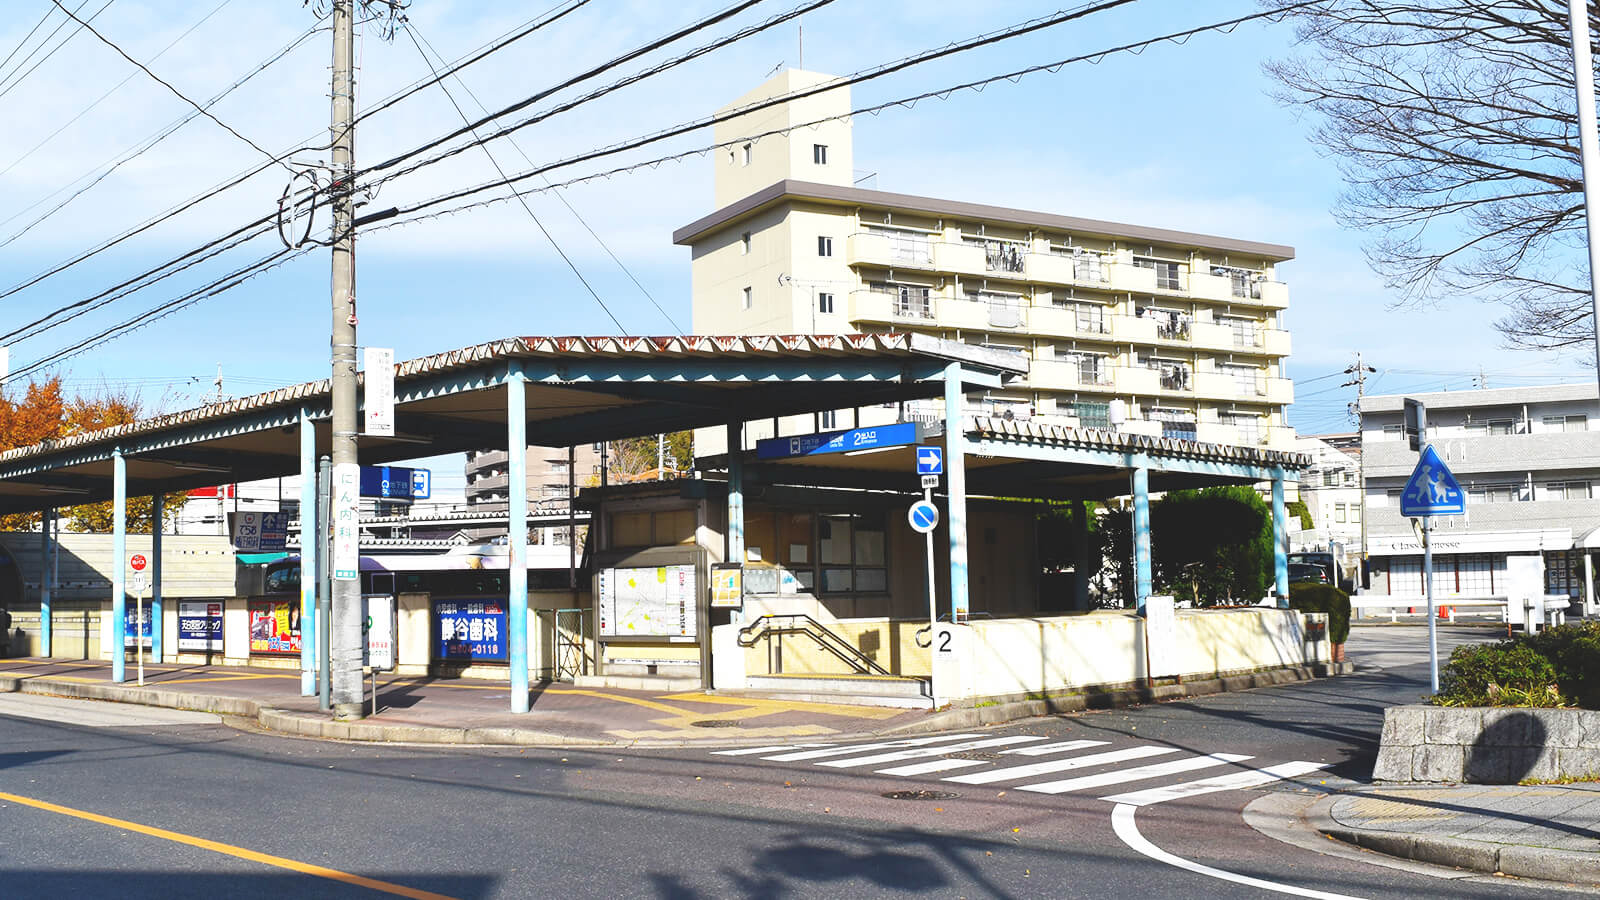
x=1308, y=572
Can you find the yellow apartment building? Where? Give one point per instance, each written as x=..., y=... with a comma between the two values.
x=1152, y=330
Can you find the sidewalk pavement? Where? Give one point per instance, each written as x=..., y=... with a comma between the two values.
x=466, y=711
x=1549, y=832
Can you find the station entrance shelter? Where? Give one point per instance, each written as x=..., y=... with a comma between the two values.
x=545, y=391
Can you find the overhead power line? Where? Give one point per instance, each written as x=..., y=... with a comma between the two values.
x=307, y=144
x=14, y=79
x=941, y=93
x=417, y=36
x=117, y=87
x=175, y=92
x=523, y=200
x=48, y=11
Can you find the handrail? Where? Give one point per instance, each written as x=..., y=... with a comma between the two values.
x=797, y=623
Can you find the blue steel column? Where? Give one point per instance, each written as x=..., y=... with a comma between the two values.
x=955, y=468
x=1280, y=540
x=119, y=566
x=735, y=492
x=517, y=450
x=156, y=502
x=1141, y=535
x=310, y=540
x=46, y=580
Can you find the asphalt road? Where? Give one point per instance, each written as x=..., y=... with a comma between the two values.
x=97, y=800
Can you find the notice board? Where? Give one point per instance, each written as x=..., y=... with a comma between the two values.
x=647, y=602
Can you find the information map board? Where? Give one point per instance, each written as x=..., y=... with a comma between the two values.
x=653, y=601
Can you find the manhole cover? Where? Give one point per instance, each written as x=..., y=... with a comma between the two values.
x=921, y=795
x=716, y=723
x=973, y=754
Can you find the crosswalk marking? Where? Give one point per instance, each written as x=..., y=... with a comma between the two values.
x=1046, y=749
x=915, y=752
x=1083, y=782
x=858, y=748
x=751, y=751
x=1061, y=765
x=1232, y=782
x=928, y=768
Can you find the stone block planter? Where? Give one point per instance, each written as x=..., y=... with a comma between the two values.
x=1487, y=745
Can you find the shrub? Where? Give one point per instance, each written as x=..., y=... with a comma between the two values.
x=1509, y=673
x=1574, y=651
x=1324, y=598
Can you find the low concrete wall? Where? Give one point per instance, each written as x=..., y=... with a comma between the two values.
x=1495, y=745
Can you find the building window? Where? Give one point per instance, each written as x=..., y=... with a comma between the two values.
x=744, y=244
x=911, y=301
x=1490, y=427
x=1241, y=282
x=1330, y=478
x=1244, y=331
x=1497, y=493
x=1249, y=427
x=749, y=298
x=819, y=154
x=1092, y=367
x=1166, y=272
x=1247, y=380
x=1392, y=495
x=824, y=303
x=1394, y=432
x=1566, y=423
x=1093, y=414
x=1567, y=490
x=824, y=246
x=851, y=548
x=1338, y=513
x=1175, y=423
x=1091, y=318
x=828, y=420
x=746, y=153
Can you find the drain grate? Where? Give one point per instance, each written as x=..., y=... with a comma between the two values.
x=717, y=723
x=984, y=755
x=921, y=795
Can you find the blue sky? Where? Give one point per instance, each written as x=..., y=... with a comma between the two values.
x=1180, y=136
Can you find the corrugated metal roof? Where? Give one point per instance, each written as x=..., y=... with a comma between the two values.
x=674, y=347
x=1099, y=439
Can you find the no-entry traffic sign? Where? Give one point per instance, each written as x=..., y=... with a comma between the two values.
x=137, y=562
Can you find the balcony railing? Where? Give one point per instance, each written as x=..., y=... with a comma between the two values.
x=1176, y=378
x=1003, y=256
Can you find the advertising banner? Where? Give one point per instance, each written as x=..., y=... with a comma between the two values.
x=379, y=626
x=275, y=627
x=471, y=630
x=138, y=628
x=259, y=532
x=200, y=626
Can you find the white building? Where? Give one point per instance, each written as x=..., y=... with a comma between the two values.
x=1530, y=465
x=1331, y=491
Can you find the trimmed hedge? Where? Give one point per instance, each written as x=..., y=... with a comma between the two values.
x=1559, y=666
x=1324, y=598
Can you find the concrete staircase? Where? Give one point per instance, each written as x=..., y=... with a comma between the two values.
x=858, y=690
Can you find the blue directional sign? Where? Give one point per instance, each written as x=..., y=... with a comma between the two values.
x=1432, y=490
x=930, y=461
x=396, y=483
x=875, y=438
x=923, y=516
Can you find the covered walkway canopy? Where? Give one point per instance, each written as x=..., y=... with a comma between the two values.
x=547, y=391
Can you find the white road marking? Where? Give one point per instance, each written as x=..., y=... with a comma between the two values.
x=97, y=713
x=858, y=748
x=917, y=752
x=1122, y=822
x=1063, y=747
x=1220, y=783
x=749, y=751
x=1139, y=773
x=1061, y=765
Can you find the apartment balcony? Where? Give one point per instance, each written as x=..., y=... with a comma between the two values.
x=1274, y=294
x=888, y=251
x=892, y=309
x=1063, y=375
x=964, y=314
x=1205, y=286
x=1280, y=391
x=1210, y=336
x=492, y=483
x=1274, y=342
x=1049, y=267
x=1133, y=330
x=489, y=459
x=1136, y=380
x=1226, y=386
x=1131, y=278
x=962, y=259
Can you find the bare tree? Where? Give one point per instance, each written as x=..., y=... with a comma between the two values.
x=1455, y=126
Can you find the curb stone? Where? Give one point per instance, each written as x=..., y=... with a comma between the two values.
x=1541, y=863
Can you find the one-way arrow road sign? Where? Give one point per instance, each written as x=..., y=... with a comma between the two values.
x=930, y=461
x=1432, y=490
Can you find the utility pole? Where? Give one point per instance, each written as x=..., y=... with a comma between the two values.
x=345, y=650
x=1359, y=373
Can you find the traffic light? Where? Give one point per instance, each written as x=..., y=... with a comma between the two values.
x=1416, y=423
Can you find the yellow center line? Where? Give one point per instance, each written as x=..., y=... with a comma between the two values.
x=230, y=850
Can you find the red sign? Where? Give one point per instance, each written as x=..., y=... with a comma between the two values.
x=137, y=562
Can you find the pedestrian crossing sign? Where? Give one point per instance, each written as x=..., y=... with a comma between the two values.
x=1432, y=490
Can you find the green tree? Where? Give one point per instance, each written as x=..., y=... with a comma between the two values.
x=1211, y=546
